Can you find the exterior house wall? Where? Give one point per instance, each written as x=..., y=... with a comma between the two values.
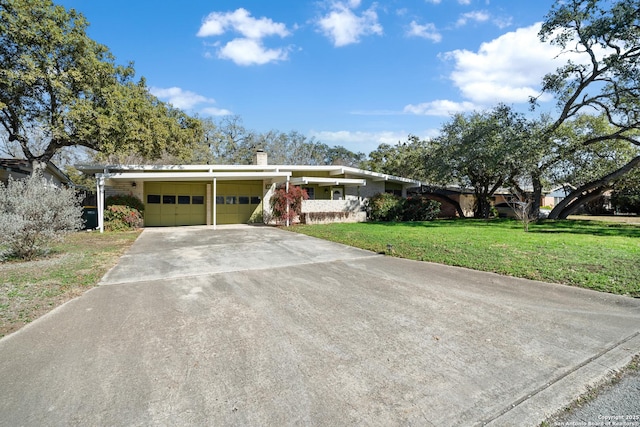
x=125, y=188
x=22, y=174
x=267, y=215
x=4, y=176
x=326, y=211
x=371, y=189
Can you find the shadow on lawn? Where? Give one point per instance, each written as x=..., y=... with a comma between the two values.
x=594, y=228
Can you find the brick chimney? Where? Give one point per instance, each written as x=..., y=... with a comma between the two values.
x=260, y=158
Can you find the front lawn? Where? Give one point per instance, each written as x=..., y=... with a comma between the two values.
x=590, y=254
x=29, y=289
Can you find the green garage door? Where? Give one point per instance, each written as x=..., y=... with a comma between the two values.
x=170, y=204
x=236, y=201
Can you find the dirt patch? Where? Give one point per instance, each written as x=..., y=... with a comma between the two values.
x=30, y=289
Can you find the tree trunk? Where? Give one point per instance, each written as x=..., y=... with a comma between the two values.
x=588, y=191
x=586, y=198
x=483, y=205
x=537, y=195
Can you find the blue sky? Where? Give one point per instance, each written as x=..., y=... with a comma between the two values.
x=355, y=73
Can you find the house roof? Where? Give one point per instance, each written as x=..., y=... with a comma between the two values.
x=26, y=167
x=339, y=175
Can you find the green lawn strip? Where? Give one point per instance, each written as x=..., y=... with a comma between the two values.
x=594, y=255
x=29, y=289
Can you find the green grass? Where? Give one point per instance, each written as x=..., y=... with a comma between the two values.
x=28, y=289
x=590, y=254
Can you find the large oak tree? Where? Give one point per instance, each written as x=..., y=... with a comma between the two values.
x=606, y=34
x=60, y=84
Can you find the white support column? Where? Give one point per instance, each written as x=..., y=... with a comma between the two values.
x=215, y=205
x=209, y=207
x=287, y=190
x=100, y=202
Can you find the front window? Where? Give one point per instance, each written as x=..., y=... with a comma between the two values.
x=310, y=192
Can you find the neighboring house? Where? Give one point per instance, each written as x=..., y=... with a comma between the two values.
x=177, y=195
x=556, y=195
x=20, y=169
x=448, y=196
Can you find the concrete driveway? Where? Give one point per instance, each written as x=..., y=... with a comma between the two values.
x=259, y=326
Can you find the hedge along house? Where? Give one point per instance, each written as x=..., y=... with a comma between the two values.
x=176, y=195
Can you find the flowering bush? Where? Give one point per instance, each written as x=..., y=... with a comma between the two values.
x=125, y=200
x=385, y=207
x=121, y=218
x=292, y=199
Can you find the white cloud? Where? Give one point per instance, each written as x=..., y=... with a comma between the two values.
x=213, y=111
x=440, y=108
x=248, y=49
x=250, y=52
x=187, y=100
x=502, y=70
x=464, y=2
x=182, y=99
x=344, y=27
x=477, y=16
x=503, y=22
x=242, y=22
x=427, y=31
x=434, y=1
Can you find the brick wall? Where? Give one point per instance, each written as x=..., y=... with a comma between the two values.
x=125, y=188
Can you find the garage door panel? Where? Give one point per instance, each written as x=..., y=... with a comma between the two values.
x=177, y=206
x=237, y=201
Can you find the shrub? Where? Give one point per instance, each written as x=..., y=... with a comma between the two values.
x=121, y=218
x=389, y=207
x=125, y=200
x=35, y=213
x=626, y=201
x=420, y=209
x=292, y=198
x=385, y=207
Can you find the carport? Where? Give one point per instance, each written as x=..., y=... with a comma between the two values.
x=190, y=196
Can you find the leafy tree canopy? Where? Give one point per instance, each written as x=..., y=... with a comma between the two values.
x=57, y=82
x=606, y=36
x=480, y=151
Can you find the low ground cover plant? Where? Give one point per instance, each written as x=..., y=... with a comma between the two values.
x=590, y=254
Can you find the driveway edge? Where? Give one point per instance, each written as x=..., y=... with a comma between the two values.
x=563, y=391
